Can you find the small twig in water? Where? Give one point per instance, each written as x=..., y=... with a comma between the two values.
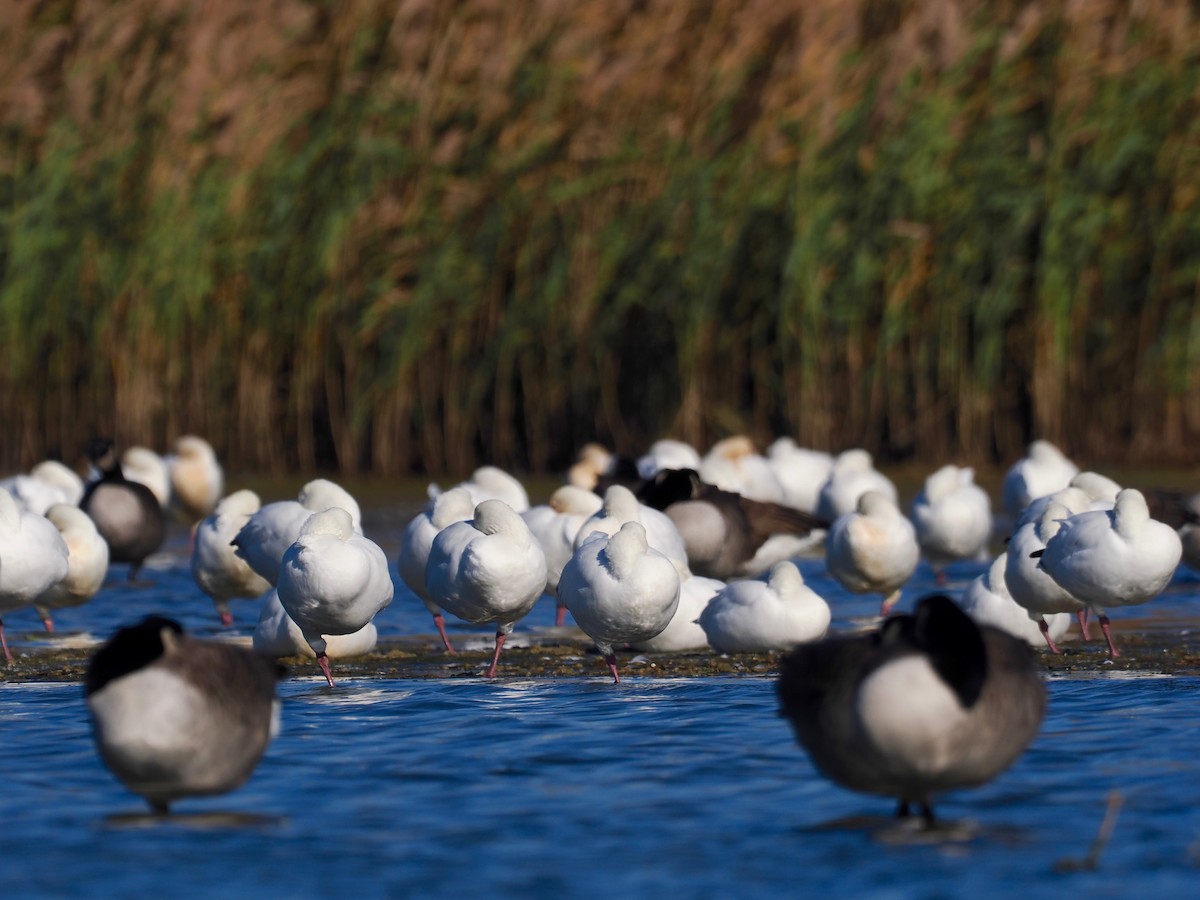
x=1091, y=862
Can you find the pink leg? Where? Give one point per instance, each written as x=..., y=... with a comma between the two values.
x=48, y=624
x=611, y=659
x=560, y=615
x=940, y=578
x=1112, y=648
x=1046, y=634
x=440, y=621
x=501, y=637
x=323, y=662
x=226, y=619
x=4, y=643
x=1083, y=622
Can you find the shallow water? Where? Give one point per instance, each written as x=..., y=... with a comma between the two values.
x=574, y=787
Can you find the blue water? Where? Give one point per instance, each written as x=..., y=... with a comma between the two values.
x=570, y=788
x=549, y=788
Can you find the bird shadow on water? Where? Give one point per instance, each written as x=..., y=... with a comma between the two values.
x=212, y=820
x=915, y=832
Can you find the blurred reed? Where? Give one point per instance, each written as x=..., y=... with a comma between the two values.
x=401, y=236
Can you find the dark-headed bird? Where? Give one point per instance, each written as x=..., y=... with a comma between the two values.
x=928, y=703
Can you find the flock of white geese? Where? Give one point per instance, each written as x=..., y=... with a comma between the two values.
x=674, y=550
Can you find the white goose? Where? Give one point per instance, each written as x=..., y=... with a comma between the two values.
x=454, y=505
x=683, y=632
x=988, y=601
x=492, y=483
x=277, y=636
x=332, y=580
x=852, y=475
x=87, y=562
x=621, y=506
x=667, y=454
x=1117, y=557
x=216, y=567
x=763, y=616
x=953, y=517
x=47, y=483
x=556, y=524
x=1030, y=586
x=873, y=550
x=733, y=464
x=620, y=590
x=1043, y=470
x=143, y=465
x=800, y=472
x=268, y=533
x=197, y=479
x=490, y=569
x=33, y=558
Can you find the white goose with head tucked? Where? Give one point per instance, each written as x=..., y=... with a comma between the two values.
x=1117, y=557
x=988, y=601
x=276, y=635
x=556, y=524
x=216, y=567
x=492, y=483
x=454, y=505
x=763, y=616
x=1043, y=470
x=620, y=590
x=332, y=580
x=1030, y=586
x=197, y=479
x=47, y=483
x=873, y=550
x=87, y=562
x=621, y=506
x=490, y=569
x=952, y=516
x=33, y=558
x=268, y=533
x=852, y=475
x=683, y=632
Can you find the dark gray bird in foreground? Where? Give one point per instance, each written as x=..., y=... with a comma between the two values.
x=722, y=530
x=127, y=514
x=928, y=703
x=174, y=716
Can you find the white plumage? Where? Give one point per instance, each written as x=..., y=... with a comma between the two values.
x=734, y=465
x=988, y=601
x=621, y=506
x=332, y=580
x=761, y=616
x=683, y=632
x=492, y=483
x=197, y=479
x=455, y=505
x=490, y=569
x=33, y=558
x=1117, y=557
x=952, y=516
x=276, y=635
x=852, y=475
x=87, y=562
x=216, y=567
x=801, y=473
x=1043, y=470
x=619, y=589
x=873, y=550
x=556, y=524
x=268, y=533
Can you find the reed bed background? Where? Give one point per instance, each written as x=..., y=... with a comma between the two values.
x=410, y=236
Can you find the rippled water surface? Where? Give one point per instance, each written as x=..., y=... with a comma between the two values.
x=576, y=787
